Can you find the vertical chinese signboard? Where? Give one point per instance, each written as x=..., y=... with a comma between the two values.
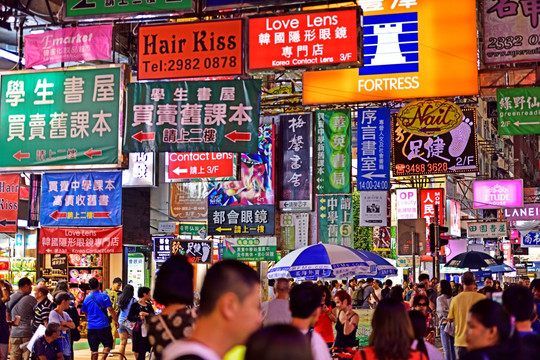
x=333, y=137
x=294, y=230
x=517, y=111
x=296, y=166
x=77, y=8
x=428, y=199
x=185, y=116
x=373, y=149
x=9, y=202
x=335, y=219
x=67, y=118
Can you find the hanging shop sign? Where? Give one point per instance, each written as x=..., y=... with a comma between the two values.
x=452, y=152
x=428, y=199
x=532, y=239
x=335, y=221
x=252, y=249
x=191, y=229
x=527, y=212
x=373, y=149
x=333, y=171
x=60, y=240
x=510, y=32
x=417, y=58
x=404, y=262
x=140, y=172
x=162, y=247
x=453, y=217
x=304, y=39
x=206, y=48
x=197, y=252
x=236, y=4
x=81, y=199
x=9, y=202
x=294, y=230
x=166, y=227
x=487, y=229
x=382, y=238
x=188, y=201
x=296, y=162
x=373, y=208
x=213, y=166
x=531, y=195
x=430, y=117
x=61, y=118
x=407, y=203
x=518, y=110
x=192, y=116
x=496, y=194
x=241, y=220
x=69, y=44
x=407, y=229
x=86, y=8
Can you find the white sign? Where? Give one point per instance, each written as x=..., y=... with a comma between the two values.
x=294, y=227
x=373, y=206
x=407, y=203
x=140, y=172
x=486, y=229
x=166, y=227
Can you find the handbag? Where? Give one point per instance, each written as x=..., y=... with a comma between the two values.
x=109, y=318
x=450, y=328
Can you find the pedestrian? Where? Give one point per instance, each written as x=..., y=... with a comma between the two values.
x=74, y=334
x=46, y=347
x=60, y=316
x=43, y=307
x=174, y=290
x=271, y=293
x=114, y=292
x=5, y=289
x=396, y=293
x=336, y=286
x=367, y=292
x=387, y=287
x=418, y=322
x=138, y=313
x=21, y=305
x=125, y=327
x=535, y=289
x=324, y=325
x=278, y=342
x=443, y=307
x=228, y=314
x=488, y=286
x=95, y=305
x=276, y=311
x=413, y=288
x=429, y=291
x=305, y=305
x=526, y=281
x=346, y=321
x=421, y=304
x=498, y=287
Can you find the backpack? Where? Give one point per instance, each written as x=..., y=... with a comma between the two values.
x=358, y=297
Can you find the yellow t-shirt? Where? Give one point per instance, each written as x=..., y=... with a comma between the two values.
x=459, y=308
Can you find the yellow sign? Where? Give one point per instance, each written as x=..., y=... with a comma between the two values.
x=428, y=118
x=412, y=50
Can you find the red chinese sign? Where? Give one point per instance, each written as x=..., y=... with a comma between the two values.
x=428, y=199
x=306, y=39
x=201, y=165
x=80, y=240
x=9, y=202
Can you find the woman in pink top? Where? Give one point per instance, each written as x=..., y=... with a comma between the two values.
x=324, y=325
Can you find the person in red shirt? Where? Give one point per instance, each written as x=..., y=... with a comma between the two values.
x=324, y=325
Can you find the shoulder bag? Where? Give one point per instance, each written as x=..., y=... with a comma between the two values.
x=109, y=318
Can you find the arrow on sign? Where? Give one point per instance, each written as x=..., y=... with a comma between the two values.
x=57, y=215
x=6, y=222
x=179, y=171
x=103, y=214
x=517, y=123
x=91, y=152
x=48, y=250
x=142, y=136
x=462, y=167
x=220, y=229
x=370, y=175
x=19, y=155
x=235, y=136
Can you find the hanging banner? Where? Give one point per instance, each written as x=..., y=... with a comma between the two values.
x=452, y=152
x=188, y=201
x=252, y=249
x=162, y=247
x=509, y=32
x=69, y=44
x=453, y=213
x=294, y=231
x=333, y=131
x=296, y=162
x=496, y=194
x=90, y=8
x=408, y=228
x=188, y=116
x=9, y=202
x=518, y=110
x=487, y=229
x=197, y=252
x=527, y=212
x=199, y=230
x=140, y=172
x=61, y=119
x=382, y=239
x=210, y=166
x=373, y=208
x=428, y=199
x=81, y=199
x=241, y=220
x=374, y=149
x=80, y=241
x=335, y=221
x=407, y=203
x=532, y=239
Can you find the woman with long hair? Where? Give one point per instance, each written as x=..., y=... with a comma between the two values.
x=324, y=323
x=418, y=322
x=125, y=327
x=443, y=307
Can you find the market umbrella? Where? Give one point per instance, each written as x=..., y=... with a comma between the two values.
x=503, y=268
x=320, y=261
x=378, y=266
x=471, y=260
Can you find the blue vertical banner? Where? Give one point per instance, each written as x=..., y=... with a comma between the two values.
x=374, y=135
x=81, y=199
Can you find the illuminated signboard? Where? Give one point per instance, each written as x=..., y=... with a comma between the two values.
x=304, y=39
x=495, y=194
x=412, y=49
x=200, y=165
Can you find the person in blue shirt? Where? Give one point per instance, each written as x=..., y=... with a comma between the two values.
x=95, y=305
x=46, y=347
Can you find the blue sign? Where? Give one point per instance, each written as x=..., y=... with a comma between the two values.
x=162, y=247
x=374, y=149
x=532, y=239
x=81, y=199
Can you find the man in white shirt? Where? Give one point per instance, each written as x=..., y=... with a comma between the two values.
x=276, y=311
x=305, y=302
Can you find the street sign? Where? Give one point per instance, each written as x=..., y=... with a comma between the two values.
x=212, y=166
x=185, y=116
x=527, y=212
x=407, y=203
x=517, y=111
x=428, y=199
x=61, y=118
x=294, y=230
x=9, y=202
x=90, y=8
x=80, y=240
x=252, y=249
x=532, y=239
x=487, y=229
x=429, y=117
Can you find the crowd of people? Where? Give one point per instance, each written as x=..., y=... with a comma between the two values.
x=305, y=321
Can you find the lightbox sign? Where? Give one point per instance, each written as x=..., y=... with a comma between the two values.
x=408, y=53
x=453, y=217
x=407, y=203
x=527, y=212
x=76, y=8
x=495, y=194
x=200, y=166
x=304, y=39
x=141, y=170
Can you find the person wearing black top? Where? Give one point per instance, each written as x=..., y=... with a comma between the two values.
x=138, y=314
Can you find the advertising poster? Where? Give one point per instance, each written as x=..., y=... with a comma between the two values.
x=407, y=229
x=9, y=202
x=407, y=203
x=496, y=194
x=453, y=213
x=295, y=144
x=252, y=249
x=294, y=230
x=188, y=201
x=80, y=240
x=382, y=241
x=81, y=199
x=335, y=221
x=374, y=136
x=333, y=135
x=373, y=206
x=518, y=110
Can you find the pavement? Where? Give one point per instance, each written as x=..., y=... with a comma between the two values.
x=82, y=352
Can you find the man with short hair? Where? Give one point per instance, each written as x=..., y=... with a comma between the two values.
x=459, y=309
x=305, y=309
x=43, y=307
x=114, y=292
x=276, y=311
x=366, y=294
x=22, y=305
x=229, y=312
x=488, y=286
x=387, y=287
x=526, y=281
x=46, y=347
x=430, y=292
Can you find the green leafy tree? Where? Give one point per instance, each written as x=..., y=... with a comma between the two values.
x=363, y=235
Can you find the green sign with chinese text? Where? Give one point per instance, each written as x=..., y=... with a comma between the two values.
x=335, y=219
x=518, y=111
x=193, y=230
x=105, y=7
x=250, y=249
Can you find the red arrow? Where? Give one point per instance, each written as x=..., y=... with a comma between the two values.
x=142, y=136
x=57, y=215
x=103, y=214
x=91, y=152
x=19, y=155
x=235, y=136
